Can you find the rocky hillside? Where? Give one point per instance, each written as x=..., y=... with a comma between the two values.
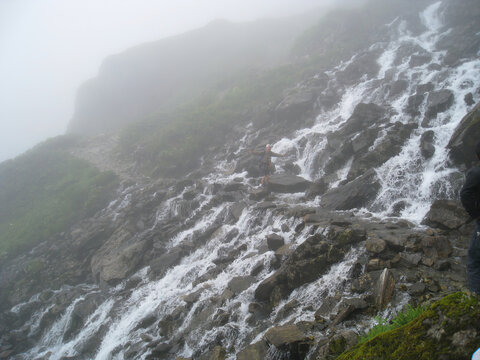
x=158, y=76
x=360, y=219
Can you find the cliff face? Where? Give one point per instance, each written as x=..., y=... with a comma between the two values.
x=153, y=77
x=210, y=265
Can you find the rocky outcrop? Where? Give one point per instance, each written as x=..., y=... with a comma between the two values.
x=439, y=332
x=446, y=214
x=307, y=263
x=355, y=194
x=464, y=139
x=286, y=183
x=289, y=339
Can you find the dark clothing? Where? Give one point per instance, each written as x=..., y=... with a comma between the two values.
x=473, y=261
x=470, y=193
x=470, y=197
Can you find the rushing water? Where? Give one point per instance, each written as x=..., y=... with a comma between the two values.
x=407, y=177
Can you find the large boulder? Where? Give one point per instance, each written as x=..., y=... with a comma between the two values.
x=257, y=351
x=118, y=257
x=289, y=339
x=438, y=101
x=463, y=141
x=446, y=214
x=355, y=194
x=287, y=183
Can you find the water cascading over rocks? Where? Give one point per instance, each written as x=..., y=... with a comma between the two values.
x=189, y=268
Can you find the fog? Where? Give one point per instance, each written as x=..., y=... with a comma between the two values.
x=49, y=47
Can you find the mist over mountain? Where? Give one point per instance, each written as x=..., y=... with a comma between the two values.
x=147, y=233
x=159, y=76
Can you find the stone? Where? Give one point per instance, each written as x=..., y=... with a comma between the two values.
x=217, y=353
x=463, y=141
x=296, y=104
x=427, y=149
x=438, y=101
x=355, y=194
x=375, y=245
x=446, y=214
x=436, y=247
x=257, y=351
x=275, y=242
x=289, y=338
x=240, y=283
x=287, y=183
x=384, y=289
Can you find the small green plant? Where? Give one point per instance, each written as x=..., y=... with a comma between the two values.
x=383, y=325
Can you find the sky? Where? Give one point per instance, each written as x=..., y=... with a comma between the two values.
x=48, y=48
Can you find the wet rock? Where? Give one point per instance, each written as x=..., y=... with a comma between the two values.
x=383, y=291
x=286, y=183
x=317, y=188
x=413, y=104
x=160, y=265
x=257, y=351
x=398, y=87
x=258, y=193
x=240, y=283
x=419, y=60
x=469, y=99
x=390, y=146
x=217, y=353
x=417, y=289
x=118, y=257
x=446, y=214
x=364, y=64
x=463, y=141
x=291, y=339
x=436, y=247
x=425, y=88
x=336, y=345
x=437, y=102
x=275, y=242
x=355, y=194
x=427, y=148
x=375, y=245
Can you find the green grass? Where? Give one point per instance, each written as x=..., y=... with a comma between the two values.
x=383, y=325
x=45, y=191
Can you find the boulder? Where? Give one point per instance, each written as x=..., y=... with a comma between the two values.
x=414, y=103
x=217, y=353
x=355, y=194
x=463, y=141
x=427, y=149
x=375, y=245
x=118, y=257
x=334, y=346
x=287, y=183
x=437, y=102
x=161, y=264
x=436, y=247
x=240, y=283
x=446, y=214
x=257, y=351
x=289, y=339
x=275, y=242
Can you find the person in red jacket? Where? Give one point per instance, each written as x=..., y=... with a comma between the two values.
x=266, y=162
x=470, y=197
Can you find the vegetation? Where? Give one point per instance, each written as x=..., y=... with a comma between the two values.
x=44, y=191
x=174, y=141
x=447, y=328
x=383, y=325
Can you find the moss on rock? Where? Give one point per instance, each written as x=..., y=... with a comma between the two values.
x=449, y=329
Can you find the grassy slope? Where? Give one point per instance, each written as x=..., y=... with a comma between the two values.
x=44, y=191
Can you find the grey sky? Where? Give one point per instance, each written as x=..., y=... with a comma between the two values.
x=49, y=47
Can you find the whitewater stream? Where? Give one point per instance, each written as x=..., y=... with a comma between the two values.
x=114, y=325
